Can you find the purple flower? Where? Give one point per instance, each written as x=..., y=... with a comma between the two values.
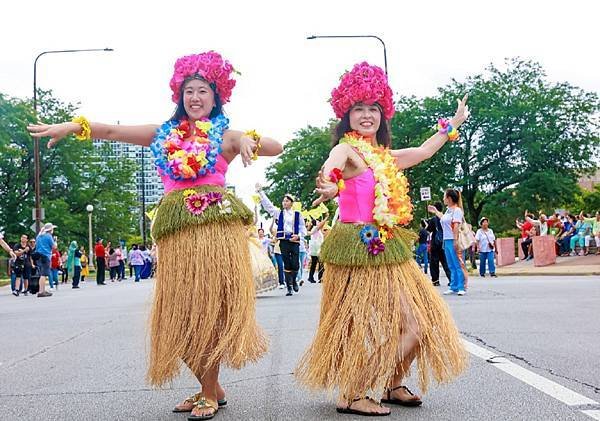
x=376, y=246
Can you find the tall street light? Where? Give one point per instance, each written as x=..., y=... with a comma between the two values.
x=90, y=209
x=36, y=141
x=357, y=36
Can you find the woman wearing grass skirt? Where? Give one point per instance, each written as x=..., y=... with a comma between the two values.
x=204, y=303
x=378, y=311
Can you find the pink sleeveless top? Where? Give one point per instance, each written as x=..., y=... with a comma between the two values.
x=216, y=179
x=357, y=200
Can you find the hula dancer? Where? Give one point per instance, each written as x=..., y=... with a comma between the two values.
x=378, y=311
x=209, y=319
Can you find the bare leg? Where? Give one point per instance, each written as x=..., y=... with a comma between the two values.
x=409, y=344
x=363, y=405
x=187, y=405
x=209, y=381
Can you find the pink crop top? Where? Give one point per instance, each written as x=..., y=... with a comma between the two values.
x=216, y=179
x=357, y=200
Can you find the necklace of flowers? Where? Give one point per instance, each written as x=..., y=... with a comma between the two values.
x=392, y=202
x=185, y=151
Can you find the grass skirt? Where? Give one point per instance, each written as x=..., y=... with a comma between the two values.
x=358, y=342
x=204, y=302
x=265, y=275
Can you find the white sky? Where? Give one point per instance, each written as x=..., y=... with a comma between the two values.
x=285, y=79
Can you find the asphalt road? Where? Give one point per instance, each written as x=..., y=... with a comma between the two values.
x=81, y=355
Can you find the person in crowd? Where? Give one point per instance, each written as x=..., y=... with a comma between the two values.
x=564, y=240
x=122, y=249
x=526, y=235
x=121, y=261
x=85, y=268
x=136, y=259
x=277, y=258
x=595, y=223
x=485, y=243
x=100, y=254
x=71, y=260
x=44, y=245
x=55, y=264
x=436, y=249
x=450, y=222
x=583, y=230
x=113, y=264
x=290, y=231
x=302, y=253
x=315, y=231
x=77, y=255
x=423, y=242
x=64, y=268
x=22, y=267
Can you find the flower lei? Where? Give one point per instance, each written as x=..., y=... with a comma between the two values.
x=392, y=202
x=185, y=152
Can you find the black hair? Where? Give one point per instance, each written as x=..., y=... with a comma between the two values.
x=261, y=229
x=383, y=133
x=423, y=223
x=111, y=251
x=180, y=112
x=143, y=247
x=454, y=195
x=134, y=247
x=438, y=206
x=290, y=198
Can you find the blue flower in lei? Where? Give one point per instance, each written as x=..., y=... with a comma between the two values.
x=219, y=124
x=368, y=233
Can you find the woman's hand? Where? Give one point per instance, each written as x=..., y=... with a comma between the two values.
x=431, y=209
x=247, y=148
x=327, y=189
x=462, y=112
x=55, y=131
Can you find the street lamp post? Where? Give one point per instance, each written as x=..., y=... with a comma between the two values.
x=357, y=36
x=36, y=141
x=90, y=209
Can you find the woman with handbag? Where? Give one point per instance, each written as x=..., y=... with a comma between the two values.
x=451, y=222
x=486, y=244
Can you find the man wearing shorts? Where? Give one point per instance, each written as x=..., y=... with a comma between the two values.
x=44, y=245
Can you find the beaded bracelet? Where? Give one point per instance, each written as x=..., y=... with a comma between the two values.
x=86, y=130
x=336, y=176
x=254, y=136
x=444, y=127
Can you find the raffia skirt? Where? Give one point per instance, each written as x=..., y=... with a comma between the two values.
x=203, y=310
x=358, y=344
x=263, y=271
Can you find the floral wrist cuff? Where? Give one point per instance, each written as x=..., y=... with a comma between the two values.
x=444, y=127
x=252, y=134
x=86, y=130
x=336, y=176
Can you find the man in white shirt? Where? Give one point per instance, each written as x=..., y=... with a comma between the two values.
x=290, y=231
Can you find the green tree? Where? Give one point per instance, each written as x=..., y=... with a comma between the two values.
x=73, y=175
x=296, y=169
x=525, y=134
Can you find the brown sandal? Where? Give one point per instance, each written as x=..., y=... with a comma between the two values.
x=349, y=410
x=202, y=403
x=410, y=402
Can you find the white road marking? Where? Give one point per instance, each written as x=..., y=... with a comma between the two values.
x=594, y=413
x=549, y=387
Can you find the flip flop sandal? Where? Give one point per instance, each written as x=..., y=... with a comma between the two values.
x=409, y=403
x=348, y=410
x=194, y=398
x=203, y=403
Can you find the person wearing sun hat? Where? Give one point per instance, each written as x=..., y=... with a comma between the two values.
x=203, y=313
x=44, y=243
x=485, y=242
x=378, y=311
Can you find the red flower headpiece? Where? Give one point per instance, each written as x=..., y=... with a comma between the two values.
x=367, y=84
x=211, y=66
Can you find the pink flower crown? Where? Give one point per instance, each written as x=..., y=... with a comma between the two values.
x=211, y=66
x=364, y=83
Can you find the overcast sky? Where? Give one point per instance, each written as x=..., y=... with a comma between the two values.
x=286, y=79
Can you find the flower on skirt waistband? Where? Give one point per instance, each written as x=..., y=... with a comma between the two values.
x=197, y=202
x=368, y=233
x=376, y=246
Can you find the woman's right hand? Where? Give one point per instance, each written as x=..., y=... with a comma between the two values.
x=55, y=131
x=327, y=189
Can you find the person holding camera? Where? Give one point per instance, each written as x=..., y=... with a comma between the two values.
x=485, y=242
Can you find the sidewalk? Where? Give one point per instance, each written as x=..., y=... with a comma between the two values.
x=577, y=265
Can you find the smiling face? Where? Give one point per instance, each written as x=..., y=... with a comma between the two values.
x=198, y=99
x=365, y=119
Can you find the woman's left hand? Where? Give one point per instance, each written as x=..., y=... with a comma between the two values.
x=327, y=189
x=247, y=148
x=462, y=112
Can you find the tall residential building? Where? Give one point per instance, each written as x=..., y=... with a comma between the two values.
x=150, y=181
